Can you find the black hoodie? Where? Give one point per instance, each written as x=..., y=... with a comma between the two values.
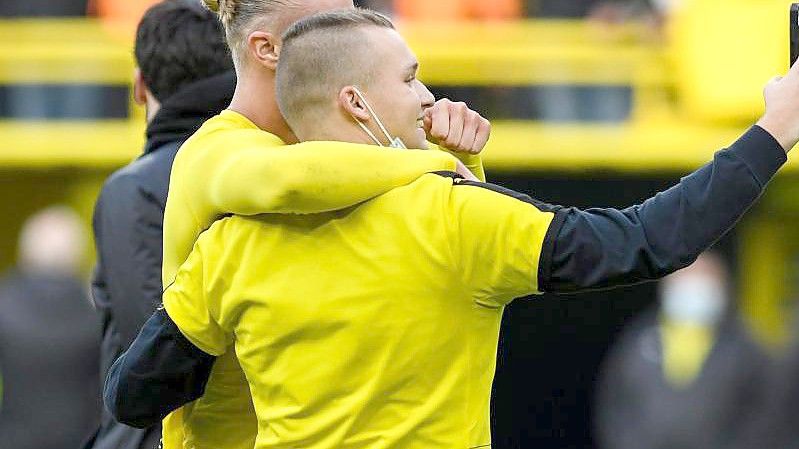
x=128, y=222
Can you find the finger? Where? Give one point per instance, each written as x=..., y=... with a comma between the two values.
x=794, y=70
x=771, y=84
x=482, y=136
x=457, y=116
x=466, y=143
x=427, y=121
x=440, y=121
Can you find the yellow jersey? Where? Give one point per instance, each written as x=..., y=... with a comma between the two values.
x=373, y=326
x=231, y=166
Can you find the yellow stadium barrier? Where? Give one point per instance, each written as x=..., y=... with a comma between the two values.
x=62, y=52
x=523, y=53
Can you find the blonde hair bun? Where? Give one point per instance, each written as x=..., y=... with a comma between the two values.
x=213, y=5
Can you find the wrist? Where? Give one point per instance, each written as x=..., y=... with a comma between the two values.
x=780, y=131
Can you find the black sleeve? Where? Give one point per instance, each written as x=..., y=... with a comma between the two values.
x=159, y=373
x=603, y=248
x=128, y=226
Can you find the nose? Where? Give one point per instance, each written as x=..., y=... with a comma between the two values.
x=427, y=97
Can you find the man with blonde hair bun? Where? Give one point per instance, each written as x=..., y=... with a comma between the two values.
x=235, y=163
x=376, y=325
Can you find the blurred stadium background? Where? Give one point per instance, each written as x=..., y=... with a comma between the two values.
x=592, y=103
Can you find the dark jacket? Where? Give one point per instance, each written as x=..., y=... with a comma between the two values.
x=638, y=408
x=49, y=344
x=128, y=221
x=775, y=424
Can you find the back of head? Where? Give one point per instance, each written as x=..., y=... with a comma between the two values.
x=321, y=54
x=52, y=242
x=240, y=17
x=178, y=42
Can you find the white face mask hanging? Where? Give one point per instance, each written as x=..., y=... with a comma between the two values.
x=694, y=299
x=394, y=142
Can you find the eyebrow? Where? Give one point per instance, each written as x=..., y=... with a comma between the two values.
x=413, y=68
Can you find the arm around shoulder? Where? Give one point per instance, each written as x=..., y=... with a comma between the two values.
x=159, y=373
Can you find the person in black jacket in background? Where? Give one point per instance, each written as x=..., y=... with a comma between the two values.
x=687, y=375
x=49, y=339
x=184, y=77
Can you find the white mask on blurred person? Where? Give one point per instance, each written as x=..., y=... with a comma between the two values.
x=394, y=142
x=694, y=300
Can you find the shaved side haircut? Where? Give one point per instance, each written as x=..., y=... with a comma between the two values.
x=321, y=54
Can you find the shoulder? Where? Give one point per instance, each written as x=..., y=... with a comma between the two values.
x=148, y=174
x=220, y=136
x=462, y=190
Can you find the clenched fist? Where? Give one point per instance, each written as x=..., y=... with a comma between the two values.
x=455, y=127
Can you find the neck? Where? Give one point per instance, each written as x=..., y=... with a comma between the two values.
x=255, y=99
x=151, y=107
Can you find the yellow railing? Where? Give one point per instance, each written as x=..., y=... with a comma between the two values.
x=500, y=54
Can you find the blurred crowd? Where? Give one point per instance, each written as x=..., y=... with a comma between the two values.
x=412, y=9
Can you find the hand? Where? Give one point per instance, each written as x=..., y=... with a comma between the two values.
x=455, y=127
x=781, y=118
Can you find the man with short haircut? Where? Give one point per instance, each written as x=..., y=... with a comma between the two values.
x=376, y=325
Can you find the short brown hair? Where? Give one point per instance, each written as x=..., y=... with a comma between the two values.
x=338, y=20
x=318, y=57
x=178, y=42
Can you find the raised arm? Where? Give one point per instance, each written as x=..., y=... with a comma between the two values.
x=601, y=248
x=535, y=247
x=312, y=177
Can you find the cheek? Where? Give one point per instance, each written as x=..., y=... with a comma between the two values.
x=411, y=101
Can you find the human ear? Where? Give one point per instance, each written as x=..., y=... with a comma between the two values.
x=352, y=104
x=264, y=48
x=139, y=88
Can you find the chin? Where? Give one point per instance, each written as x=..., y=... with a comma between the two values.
x=420, y=141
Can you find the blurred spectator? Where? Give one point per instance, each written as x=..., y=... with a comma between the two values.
x=49, y=339
x=120, y=16
x=184, y=77
x=775, y=424
x=566, y=103
x=590, y=8
x=384, y=6
x=685, y=377
x=42, y=8
x=128, y=10
x=458, y=9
